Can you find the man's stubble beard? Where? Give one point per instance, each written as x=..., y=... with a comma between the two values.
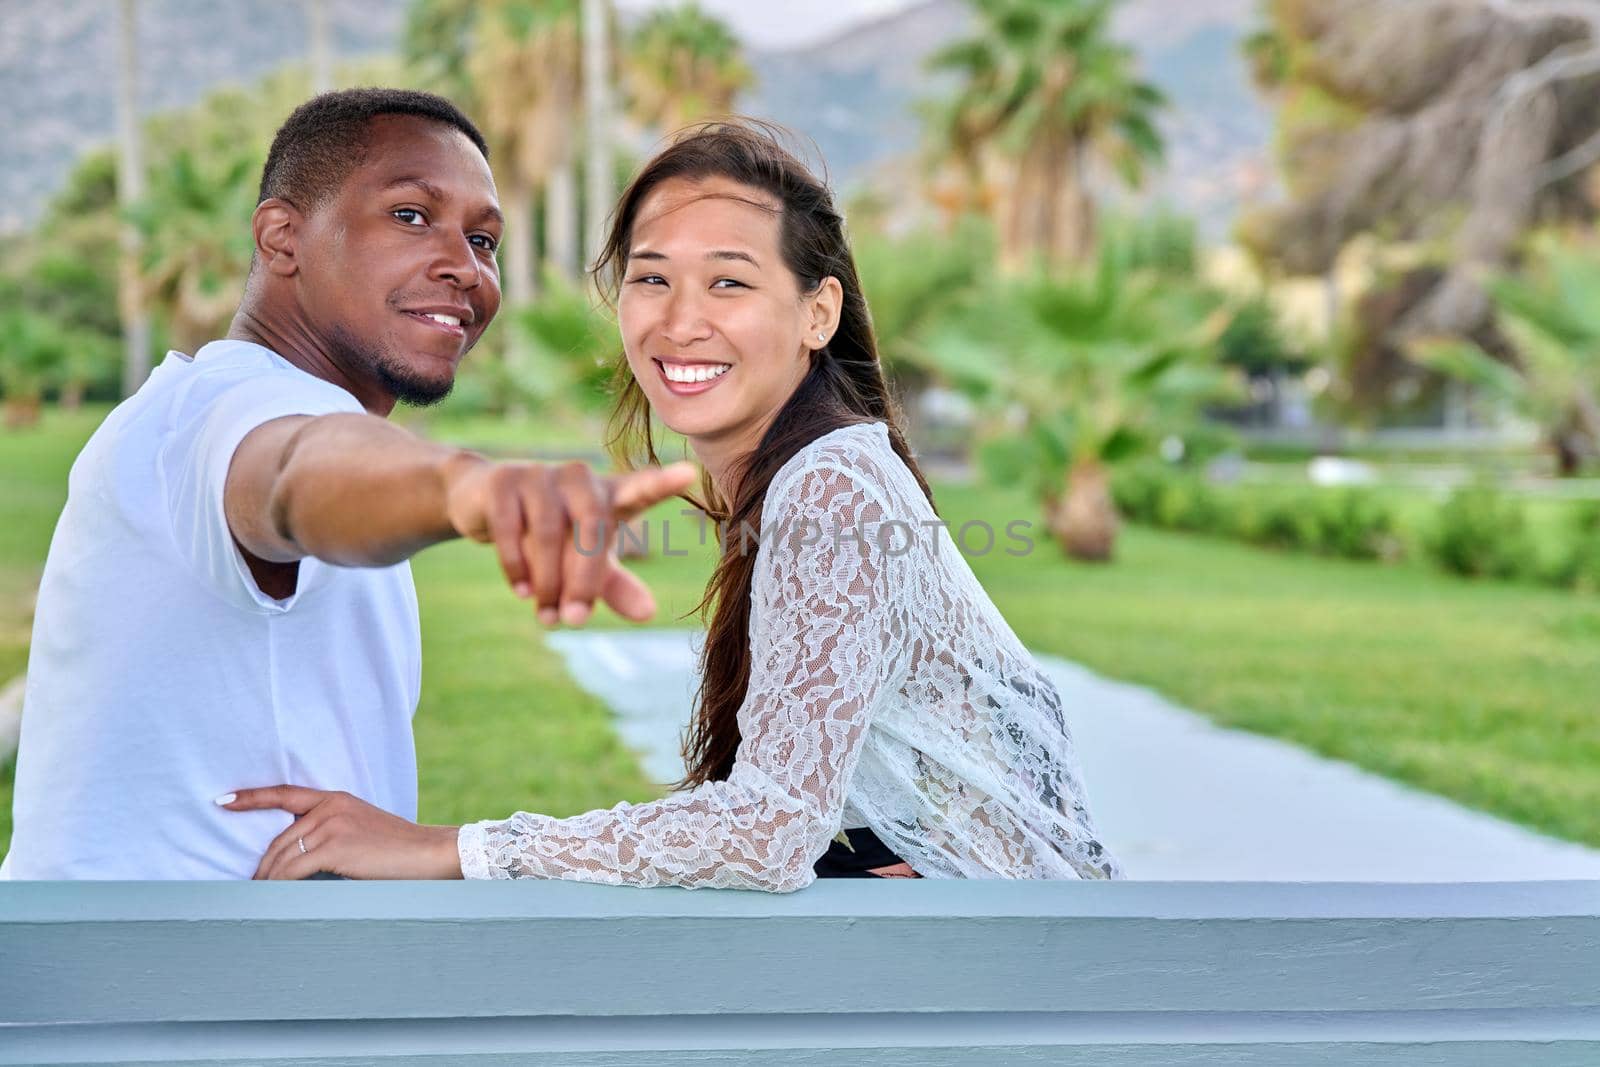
x=397, y=379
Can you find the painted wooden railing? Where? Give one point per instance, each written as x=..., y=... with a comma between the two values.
x=890, y=972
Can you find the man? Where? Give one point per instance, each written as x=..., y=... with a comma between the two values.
x=227, y=598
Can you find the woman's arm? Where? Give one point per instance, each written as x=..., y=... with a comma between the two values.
x=827, y=643
x=829, y=640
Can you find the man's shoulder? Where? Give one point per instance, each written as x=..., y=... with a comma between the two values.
x=231, y=381
x=222, y=365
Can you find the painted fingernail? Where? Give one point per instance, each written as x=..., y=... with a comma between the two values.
x=549, y=616
x=523, y=590
x=575, y=614
x=226, y=798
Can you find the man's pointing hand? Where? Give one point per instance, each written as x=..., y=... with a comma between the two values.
x=555, y=529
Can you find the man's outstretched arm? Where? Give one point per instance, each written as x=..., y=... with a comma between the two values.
x=356, y=490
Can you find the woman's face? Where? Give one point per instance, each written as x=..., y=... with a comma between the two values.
x=713, y=323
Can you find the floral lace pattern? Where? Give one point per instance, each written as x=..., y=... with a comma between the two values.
x=885, y=691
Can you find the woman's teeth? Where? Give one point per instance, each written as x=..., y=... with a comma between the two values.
x=701, y=372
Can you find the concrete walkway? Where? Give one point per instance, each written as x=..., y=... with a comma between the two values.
x=1174, y=796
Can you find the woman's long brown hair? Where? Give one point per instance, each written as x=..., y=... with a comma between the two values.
x=845, y=386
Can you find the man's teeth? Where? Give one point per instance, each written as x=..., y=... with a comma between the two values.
x=448, y=320
x=703, y=372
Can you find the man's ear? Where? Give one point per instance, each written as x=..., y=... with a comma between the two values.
x=826, y=303
x=276, y=225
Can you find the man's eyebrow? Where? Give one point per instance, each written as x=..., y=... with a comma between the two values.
x=721, y=253
x=420, y=183
x=433, y=192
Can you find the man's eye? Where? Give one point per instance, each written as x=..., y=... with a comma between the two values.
x=408, y=215
x=487, y=243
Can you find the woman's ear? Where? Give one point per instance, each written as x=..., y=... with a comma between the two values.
x=824, y=307
x=275, y=225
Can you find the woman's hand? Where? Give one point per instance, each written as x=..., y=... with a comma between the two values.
x=337, y=833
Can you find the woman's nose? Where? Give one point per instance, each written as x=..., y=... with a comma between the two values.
x=685, y=321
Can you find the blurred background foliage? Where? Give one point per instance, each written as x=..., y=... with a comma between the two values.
x=1414, y=290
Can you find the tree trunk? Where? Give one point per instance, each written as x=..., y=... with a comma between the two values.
x=519, y=286
x=320, y=52
x=1330, y=299
x=130, y=189
x=21, y=410
x=520, y=243
x=561, y=220
x=598, y=179
x=1074, y=213
x=1568, y=459
x=1085, y=520
x=1026, y=226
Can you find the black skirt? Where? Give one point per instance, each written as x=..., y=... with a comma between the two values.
x=864, y=854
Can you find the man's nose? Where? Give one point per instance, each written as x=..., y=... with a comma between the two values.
x=457, y=262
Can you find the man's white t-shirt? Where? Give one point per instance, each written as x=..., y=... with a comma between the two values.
x=160, y=677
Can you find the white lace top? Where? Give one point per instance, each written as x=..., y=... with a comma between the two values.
x=885, y=691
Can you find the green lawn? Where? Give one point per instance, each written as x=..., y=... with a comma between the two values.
x=33, y=483
x=1484, y=692
x=501, y=726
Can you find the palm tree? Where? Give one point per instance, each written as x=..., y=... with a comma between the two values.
x=196, y=252
x=1081, y=373
x=32, y=348
x=1551, y=316
x=1045, y=91
x=683, y=65
x=525, y=65
x=436, y=45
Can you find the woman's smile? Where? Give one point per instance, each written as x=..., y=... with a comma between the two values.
x=684, y=378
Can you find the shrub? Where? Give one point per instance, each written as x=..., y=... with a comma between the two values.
x=1188, y=503
x=1288, y=521
x=1479, y=533
x=1136, y=489
x=1579, y=564
x=1356, y=524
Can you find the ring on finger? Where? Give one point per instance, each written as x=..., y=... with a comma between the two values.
x=303, y=849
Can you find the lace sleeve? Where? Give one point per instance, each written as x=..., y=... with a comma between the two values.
x=828, y=637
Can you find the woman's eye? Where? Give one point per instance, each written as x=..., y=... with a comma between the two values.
x=408, y=215
x=732, y=282
x=647, y=279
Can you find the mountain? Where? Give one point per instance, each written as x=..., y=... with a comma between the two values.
x=854, y=94
x=58, y=67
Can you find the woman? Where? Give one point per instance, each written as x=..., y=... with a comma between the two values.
x=855, y=674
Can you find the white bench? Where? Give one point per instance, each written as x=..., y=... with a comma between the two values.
x=895, y=972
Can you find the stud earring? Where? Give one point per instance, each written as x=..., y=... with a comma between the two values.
x=820, y=337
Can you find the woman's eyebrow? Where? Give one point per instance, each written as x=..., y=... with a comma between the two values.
x=721, y=253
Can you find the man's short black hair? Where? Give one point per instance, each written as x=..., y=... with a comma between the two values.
x=326, y=137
